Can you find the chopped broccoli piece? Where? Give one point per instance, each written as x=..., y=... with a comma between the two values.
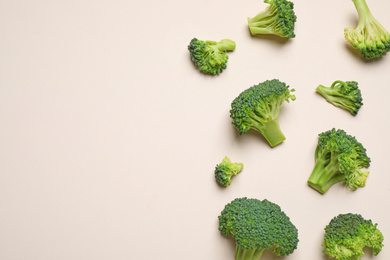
x=339, y=157
x=210, y=57
x=256, y=226
x=346, y=95
x=258, y=108
x=226, y=170
x=278, y=18
x=369, y=36
x=347, y=234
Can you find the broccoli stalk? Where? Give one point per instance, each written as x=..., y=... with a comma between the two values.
x=339, y=157
x=258, y=108
x=347, y=234
x=210, y=57
x=277, y=18
x=257, y=226
x=346, y=95
x=370, y=37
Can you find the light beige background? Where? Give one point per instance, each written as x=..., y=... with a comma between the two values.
x=109, y=136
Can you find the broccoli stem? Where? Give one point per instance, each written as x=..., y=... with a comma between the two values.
x=226, y=45
x=325, y=173
x=261, y=23
x=271, y=131
x=248, y=254
x=363, y=12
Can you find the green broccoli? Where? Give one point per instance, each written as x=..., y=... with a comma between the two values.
x=256, y=226
x=258, y=108
x=226, y=170
x=347, y=235
x=369, y=36
x=339, y=157
x=210, y=57
x=277, y=18
x=346, y=95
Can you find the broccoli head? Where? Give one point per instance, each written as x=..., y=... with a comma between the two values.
x=226, y=170
x=258, y=108
x=256, y=226
x=369, y=36
x=339, y=157
x=278, y=18
x=347, y=234
x=210, y=57
x=343, y=94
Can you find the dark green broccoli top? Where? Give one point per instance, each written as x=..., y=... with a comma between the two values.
x=226, y=170
x=339, y=157
x=210, y=57
x=258, y=108
x=347, y=234
x=278, y=18
x=256, y=226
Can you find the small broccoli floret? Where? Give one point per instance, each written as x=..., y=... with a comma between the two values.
x=256, y=226
x=210, y=57
x=226, y=170
x=347, y=235
x=277, y=18
x=346, y=95
x=370, y=37
x=339, y=157
x=258, y=108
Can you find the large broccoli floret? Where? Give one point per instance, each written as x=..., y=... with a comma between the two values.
x=277, y=18
x=226, y=170
x=343, y=94
x=339, y=157
x=258, y=108
x=347, y=235
x=256, y=226
x=370, y=37
x=210, y=57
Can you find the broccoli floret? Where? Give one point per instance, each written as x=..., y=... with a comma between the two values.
x=277, y=18
x=347, y=235
x=343, y=94
x=210, y=57
x=258, y=108
x=369, y=36
x=339, y=157
x=256, y=226
x=226, y=170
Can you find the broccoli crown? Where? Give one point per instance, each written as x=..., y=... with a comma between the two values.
x=210, y=57
x=347, y=234
x=258, y=108
x=226, y=170
x=256, y=226
x=343, y=94
x=278, y=18
x=369, y=36
x=338, y=157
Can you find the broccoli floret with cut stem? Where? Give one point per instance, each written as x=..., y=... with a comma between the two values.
x=210, y=57
x=343, y=94
x=257, y=226
x=258, y=108
x=226, y=170
x=278, y=18
x=369, y=36
x=347, y=234
x=339, y=157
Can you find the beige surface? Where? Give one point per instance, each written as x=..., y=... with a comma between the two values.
x=109, y=136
